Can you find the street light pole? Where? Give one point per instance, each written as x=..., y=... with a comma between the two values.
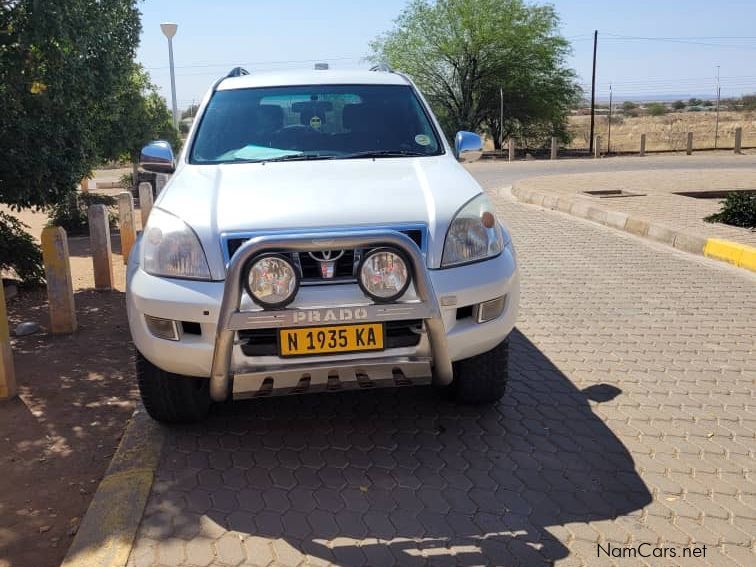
x=169, y=30
x=716, y=127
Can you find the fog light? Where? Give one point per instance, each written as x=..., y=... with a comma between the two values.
x=162, y=328
x=489, y=310
x=384, y=274
x=271, y=280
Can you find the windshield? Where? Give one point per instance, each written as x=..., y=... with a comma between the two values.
x=313, y=122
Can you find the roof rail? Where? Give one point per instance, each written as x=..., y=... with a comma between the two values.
x=382, y=68
x=237, y=72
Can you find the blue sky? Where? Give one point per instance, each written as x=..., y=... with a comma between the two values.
x=700, y=34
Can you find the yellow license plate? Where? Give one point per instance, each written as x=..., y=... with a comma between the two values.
x=330, y=340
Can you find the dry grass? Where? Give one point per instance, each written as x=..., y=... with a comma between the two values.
x=668, y=132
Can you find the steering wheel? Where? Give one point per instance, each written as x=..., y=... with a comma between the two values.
x=293, y=136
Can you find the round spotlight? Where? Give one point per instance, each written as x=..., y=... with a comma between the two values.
x=384, y=274
x=271, y=280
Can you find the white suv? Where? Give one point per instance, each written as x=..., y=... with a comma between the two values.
x=318, y=234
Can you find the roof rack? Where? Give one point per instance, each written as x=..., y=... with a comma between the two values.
x=382, y=68
x=237, y=72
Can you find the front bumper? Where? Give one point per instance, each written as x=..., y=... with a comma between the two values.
x=222, y=308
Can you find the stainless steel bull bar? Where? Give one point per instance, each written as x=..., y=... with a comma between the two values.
x=232, y=319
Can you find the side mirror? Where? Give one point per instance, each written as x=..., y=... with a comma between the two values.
x=468, y=147
x=157, y=157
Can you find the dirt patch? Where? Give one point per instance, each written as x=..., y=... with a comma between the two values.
x=57, y=437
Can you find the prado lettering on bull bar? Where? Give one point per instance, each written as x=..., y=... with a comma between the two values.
x=330, y=315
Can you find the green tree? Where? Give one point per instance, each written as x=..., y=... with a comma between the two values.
x=139, y=116
x=748, y=102
x=678, y=105
x=464, y=54
x=656, y=108
x=60, y=62
x=630, y=108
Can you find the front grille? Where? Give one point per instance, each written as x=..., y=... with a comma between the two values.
x=344, y=267
x=264, y=342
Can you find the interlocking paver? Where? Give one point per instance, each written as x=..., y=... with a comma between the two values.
x=628, y=418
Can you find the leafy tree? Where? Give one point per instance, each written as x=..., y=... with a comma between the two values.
x=748, y=102
x=463, y=54
x=678, y=105
x=656, y=109
x=630, y=108
x=60, y=62
x=694, y=101
x=139, y=116
x=59, y=65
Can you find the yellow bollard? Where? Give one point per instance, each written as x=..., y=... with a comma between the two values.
x=127, y=223
x=84, y=184
x=99, y=243
x=59, y=284
x=7, y=374
x=145, y=201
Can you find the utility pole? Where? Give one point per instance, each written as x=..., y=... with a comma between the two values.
x=593, y=91
x=501, y=119
x=609, y=137
x=716, y=127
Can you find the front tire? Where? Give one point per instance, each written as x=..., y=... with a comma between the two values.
x=172, y=398
x=482, y=379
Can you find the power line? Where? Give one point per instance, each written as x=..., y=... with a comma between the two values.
x=618, y=37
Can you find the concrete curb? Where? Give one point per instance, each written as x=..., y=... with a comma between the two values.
x=107, y=532
x=736, y=254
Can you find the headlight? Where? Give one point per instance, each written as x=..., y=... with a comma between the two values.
x=384, y=275
x=271, y=280
x=170, y=248
x=474, y=234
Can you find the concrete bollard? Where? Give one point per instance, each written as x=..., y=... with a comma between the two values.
x=738, y=139
x=99, y=242
x=145, y=201
x=511, y=147
x=597, y=147
x=7, y=373
x=126, y=222
x=689, y=147
x=642, y=146
x=554, y=147
x=59, y=283
x=161, y=179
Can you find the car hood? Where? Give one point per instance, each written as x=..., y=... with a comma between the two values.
x=275, y=196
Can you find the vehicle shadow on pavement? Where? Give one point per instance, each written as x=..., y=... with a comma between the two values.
x=395, y=477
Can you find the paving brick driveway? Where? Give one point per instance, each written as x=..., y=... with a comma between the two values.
x=629, y=419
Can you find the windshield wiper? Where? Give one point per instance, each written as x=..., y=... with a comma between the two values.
x=297, y=157
x=382, y=153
